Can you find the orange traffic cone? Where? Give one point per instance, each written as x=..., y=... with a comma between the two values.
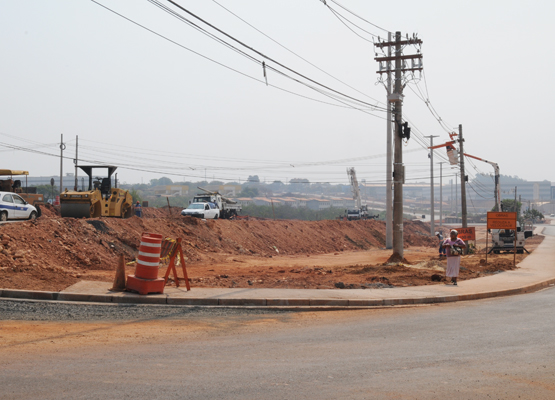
x=119, y=280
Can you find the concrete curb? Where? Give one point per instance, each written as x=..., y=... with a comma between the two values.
x=131, y=298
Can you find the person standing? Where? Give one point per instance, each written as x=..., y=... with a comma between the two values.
x=453, y=247
x=441, y=249
x=138, y=210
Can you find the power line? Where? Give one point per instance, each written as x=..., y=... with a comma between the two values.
x=358, y=16
x=219, y=63
x=340, y=18
x=273, y=60
x=294, y=53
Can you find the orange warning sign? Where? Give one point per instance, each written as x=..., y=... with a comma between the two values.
x=466, y=233
x=501, y=220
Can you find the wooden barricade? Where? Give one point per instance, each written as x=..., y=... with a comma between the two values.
x=171, y=249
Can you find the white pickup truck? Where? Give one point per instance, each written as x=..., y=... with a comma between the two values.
x=12, y=206
x=202, y=210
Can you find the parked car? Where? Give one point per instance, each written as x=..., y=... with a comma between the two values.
x=12, y=206
x=202, y=210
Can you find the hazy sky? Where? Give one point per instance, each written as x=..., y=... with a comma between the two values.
x=141, y=102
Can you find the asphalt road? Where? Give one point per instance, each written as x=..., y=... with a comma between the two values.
x=499, y=348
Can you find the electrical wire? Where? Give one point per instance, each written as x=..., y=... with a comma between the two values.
x=219, y=63
x=340, y=18
x=312, y=81
x=295, y=54
x=358, y=16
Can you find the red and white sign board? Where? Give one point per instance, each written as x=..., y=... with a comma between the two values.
x=466, y=233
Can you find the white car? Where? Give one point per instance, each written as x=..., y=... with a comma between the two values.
x=12, y=206
x=202, y=210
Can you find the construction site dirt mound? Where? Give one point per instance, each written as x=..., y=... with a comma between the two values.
x=49, y=211
x=51, y=253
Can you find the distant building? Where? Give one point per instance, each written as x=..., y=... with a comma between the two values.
x=177, y=190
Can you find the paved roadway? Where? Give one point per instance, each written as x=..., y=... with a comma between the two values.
x=499, y=348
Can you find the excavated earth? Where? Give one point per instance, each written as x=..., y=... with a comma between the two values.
x=52, y=253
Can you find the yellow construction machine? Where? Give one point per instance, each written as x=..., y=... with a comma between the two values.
x=101, y=200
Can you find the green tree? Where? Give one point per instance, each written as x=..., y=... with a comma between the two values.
x=249, y=192
x=48, y=191
x=161, y=182
x=507, y=205
x=533, y=214
x=136, y=196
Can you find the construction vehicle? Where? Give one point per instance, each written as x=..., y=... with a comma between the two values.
x=229, y=209
x=503, y=240
x=29, y=194
x=100, y=200
x=360, y=211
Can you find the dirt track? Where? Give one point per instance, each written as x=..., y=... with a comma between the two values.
x=52, y=253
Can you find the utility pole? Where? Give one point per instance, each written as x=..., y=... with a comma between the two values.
x=456, y=195
x=62, y=148
x=432, y=213
x=75, y=162
x=389, y=163
x=451, y=194
x=402, y=130
x=463, y=180
x=441, y=194
x=398, y=167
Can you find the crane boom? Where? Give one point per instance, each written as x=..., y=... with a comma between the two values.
x=497, y=183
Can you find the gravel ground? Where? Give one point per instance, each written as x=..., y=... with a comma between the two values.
x=59, y=311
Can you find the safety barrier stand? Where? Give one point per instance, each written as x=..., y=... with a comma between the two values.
x=146, y=278
x=171, y=249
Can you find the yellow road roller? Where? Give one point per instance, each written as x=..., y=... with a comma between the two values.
x=100, y=200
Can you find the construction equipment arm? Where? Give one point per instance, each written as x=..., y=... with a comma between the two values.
x=497, y=175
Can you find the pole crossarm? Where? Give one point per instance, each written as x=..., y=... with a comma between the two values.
x=381, y=45
x=393, y=58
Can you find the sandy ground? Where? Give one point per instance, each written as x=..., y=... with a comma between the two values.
x=53, y=253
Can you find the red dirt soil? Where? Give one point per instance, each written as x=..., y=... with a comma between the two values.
x=52, y=253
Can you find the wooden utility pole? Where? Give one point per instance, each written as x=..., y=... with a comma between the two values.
x=463, y=180
x=463, y=185
x=76, y=186
x=402, y=131
x=62, y=148
x=432, y=213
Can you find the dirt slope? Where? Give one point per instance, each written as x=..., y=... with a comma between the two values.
x=53, y=252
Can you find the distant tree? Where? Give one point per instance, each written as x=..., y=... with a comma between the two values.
x=507, y=205
x=249, y=192
x=299, y=180
x=265, y=190
x=161, y=182
x=135, y=195
x=136, y=186
x=533, y=214
x=253, y=179
x=48, y=192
